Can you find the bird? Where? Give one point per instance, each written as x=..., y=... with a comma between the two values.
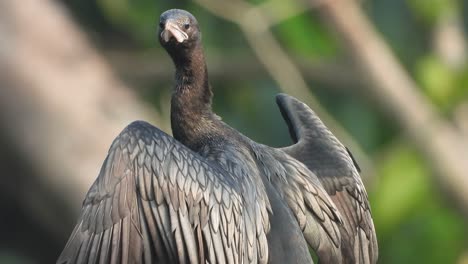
x=209, y=194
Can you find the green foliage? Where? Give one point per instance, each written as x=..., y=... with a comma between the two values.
x=446, y=87
x=256, y=2
x=139, y=18
x=403, y=185
x=304, y=36
x=413, y=223
x=438, y=81
x=431, y=10
x=368, y=131
x=433, y=236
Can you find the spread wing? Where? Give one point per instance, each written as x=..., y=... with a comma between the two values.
x=156, y=201
x=309, y=202
x=322, y=153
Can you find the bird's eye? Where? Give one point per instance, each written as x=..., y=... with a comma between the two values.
x=161, y=24
x=186, y=25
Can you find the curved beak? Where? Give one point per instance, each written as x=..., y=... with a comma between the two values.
x=171, y=29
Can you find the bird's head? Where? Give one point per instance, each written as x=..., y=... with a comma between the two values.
x=178, y=31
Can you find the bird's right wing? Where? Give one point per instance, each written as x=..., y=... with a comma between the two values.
x=156, y=201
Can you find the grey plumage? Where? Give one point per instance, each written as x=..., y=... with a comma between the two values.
x=211, y=195
x=124, y=221
x=323, y=153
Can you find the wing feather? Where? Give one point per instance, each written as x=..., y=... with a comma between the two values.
x=315, y=212
x=323, y=154
x=156, y=201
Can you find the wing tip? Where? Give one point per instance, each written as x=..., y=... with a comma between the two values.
x=283, y=101
x=300, y=118
x=282, y=96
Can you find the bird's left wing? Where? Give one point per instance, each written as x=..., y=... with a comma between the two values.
x=323, y=154
x=316, y=214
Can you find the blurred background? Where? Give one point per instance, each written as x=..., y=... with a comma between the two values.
x=389, y=77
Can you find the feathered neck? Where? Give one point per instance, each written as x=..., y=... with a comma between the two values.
x=191, y=113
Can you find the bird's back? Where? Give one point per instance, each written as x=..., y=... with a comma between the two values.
x=232, y=151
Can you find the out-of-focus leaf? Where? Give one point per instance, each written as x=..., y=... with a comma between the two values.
x=251, y=109
x=403, y=185
x=280, y=8
x=437, y=79
x=361, y=123
x=433, y=230
x=413, y=222
x=305, y=36
x=398, y=26
x=256, y=2
x=139, y=18
x=461, y=87
x=430, y=10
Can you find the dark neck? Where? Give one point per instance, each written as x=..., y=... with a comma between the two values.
x=191, y=114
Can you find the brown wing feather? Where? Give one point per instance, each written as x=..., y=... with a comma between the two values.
x=315, y=212
x=322, y=153
x=155, y=201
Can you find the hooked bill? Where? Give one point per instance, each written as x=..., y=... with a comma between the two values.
x=172, y=30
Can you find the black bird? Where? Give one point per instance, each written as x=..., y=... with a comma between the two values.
x=211, y=195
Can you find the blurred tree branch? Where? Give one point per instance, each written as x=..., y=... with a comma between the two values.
x=391, y=86
x=255, y=25
x=449, y=40
x=461, y=118
x=148, y=69
x=60, y=104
